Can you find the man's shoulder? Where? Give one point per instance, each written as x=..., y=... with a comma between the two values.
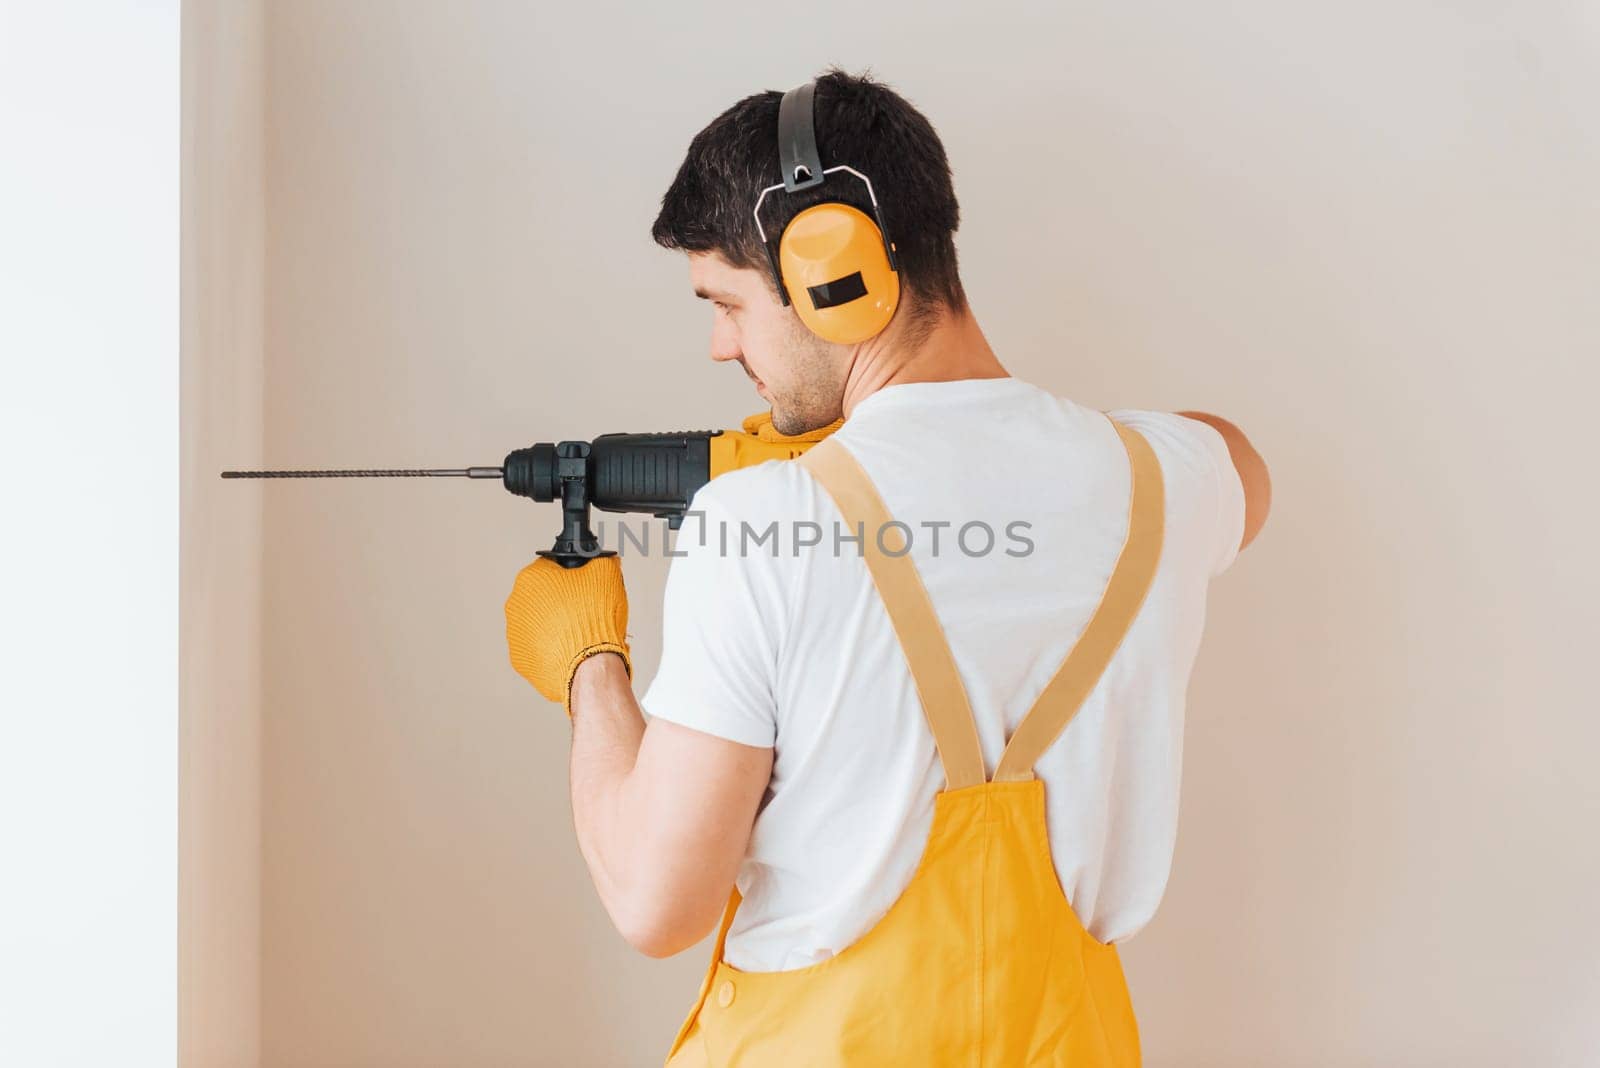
x=1201, y=480
x=774, y=489
x=1181, y=442
x=752, y=512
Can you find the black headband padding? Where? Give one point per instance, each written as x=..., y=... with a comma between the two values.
x=797, y=139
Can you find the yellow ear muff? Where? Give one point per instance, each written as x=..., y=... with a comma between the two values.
x=837, y=273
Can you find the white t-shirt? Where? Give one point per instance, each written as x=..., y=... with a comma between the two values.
x=774, y=643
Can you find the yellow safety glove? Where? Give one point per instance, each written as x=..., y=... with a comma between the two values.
x=557, y=617
x=760, y=425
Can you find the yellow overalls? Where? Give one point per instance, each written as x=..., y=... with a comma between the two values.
x=982, y=960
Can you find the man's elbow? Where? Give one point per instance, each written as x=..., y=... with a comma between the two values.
x=661, y=925
x=655, y=944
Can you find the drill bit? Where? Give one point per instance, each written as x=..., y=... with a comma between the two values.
x=455, y=472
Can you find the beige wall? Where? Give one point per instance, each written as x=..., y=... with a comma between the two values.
x=1366, y=232
x=219, y=861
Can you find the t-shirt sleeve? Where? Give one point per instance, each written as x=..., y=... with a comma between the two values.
x=721, y=616
x=1211, y=494
x=1227, y=491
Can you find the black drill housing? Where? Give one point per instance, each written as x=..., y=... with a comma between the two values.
x=656, y=474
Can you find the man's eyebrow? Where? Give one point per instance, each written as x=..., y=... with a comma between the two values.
x=711, y=294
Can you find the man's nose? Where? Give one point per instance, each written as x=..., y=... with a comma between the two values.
x=725, y=345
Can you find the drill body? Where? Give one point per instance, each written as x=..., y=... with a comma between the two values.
x=656, y=474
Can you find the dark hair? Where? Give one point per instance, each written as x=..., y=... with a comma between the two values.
x=859, y=122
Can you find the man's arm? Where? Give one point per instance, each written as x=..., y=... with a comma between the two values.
x=1253, y=475
x=663, y=812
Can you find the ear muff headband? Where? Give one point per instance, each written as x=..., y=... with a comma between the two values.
x=838, y=267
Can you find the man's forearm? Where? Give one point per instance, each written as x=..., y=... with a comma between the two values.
x=663, y=815
x=607, y=727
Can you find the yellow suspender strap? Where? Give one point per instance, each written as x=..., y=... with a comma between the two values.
x=933, y=670
x=1065, y=693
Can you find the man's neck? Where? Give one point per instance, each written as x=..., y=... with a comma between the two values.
x=954, y=349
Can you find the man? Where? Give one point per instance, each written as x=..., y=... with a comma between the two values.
x=829, y=712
